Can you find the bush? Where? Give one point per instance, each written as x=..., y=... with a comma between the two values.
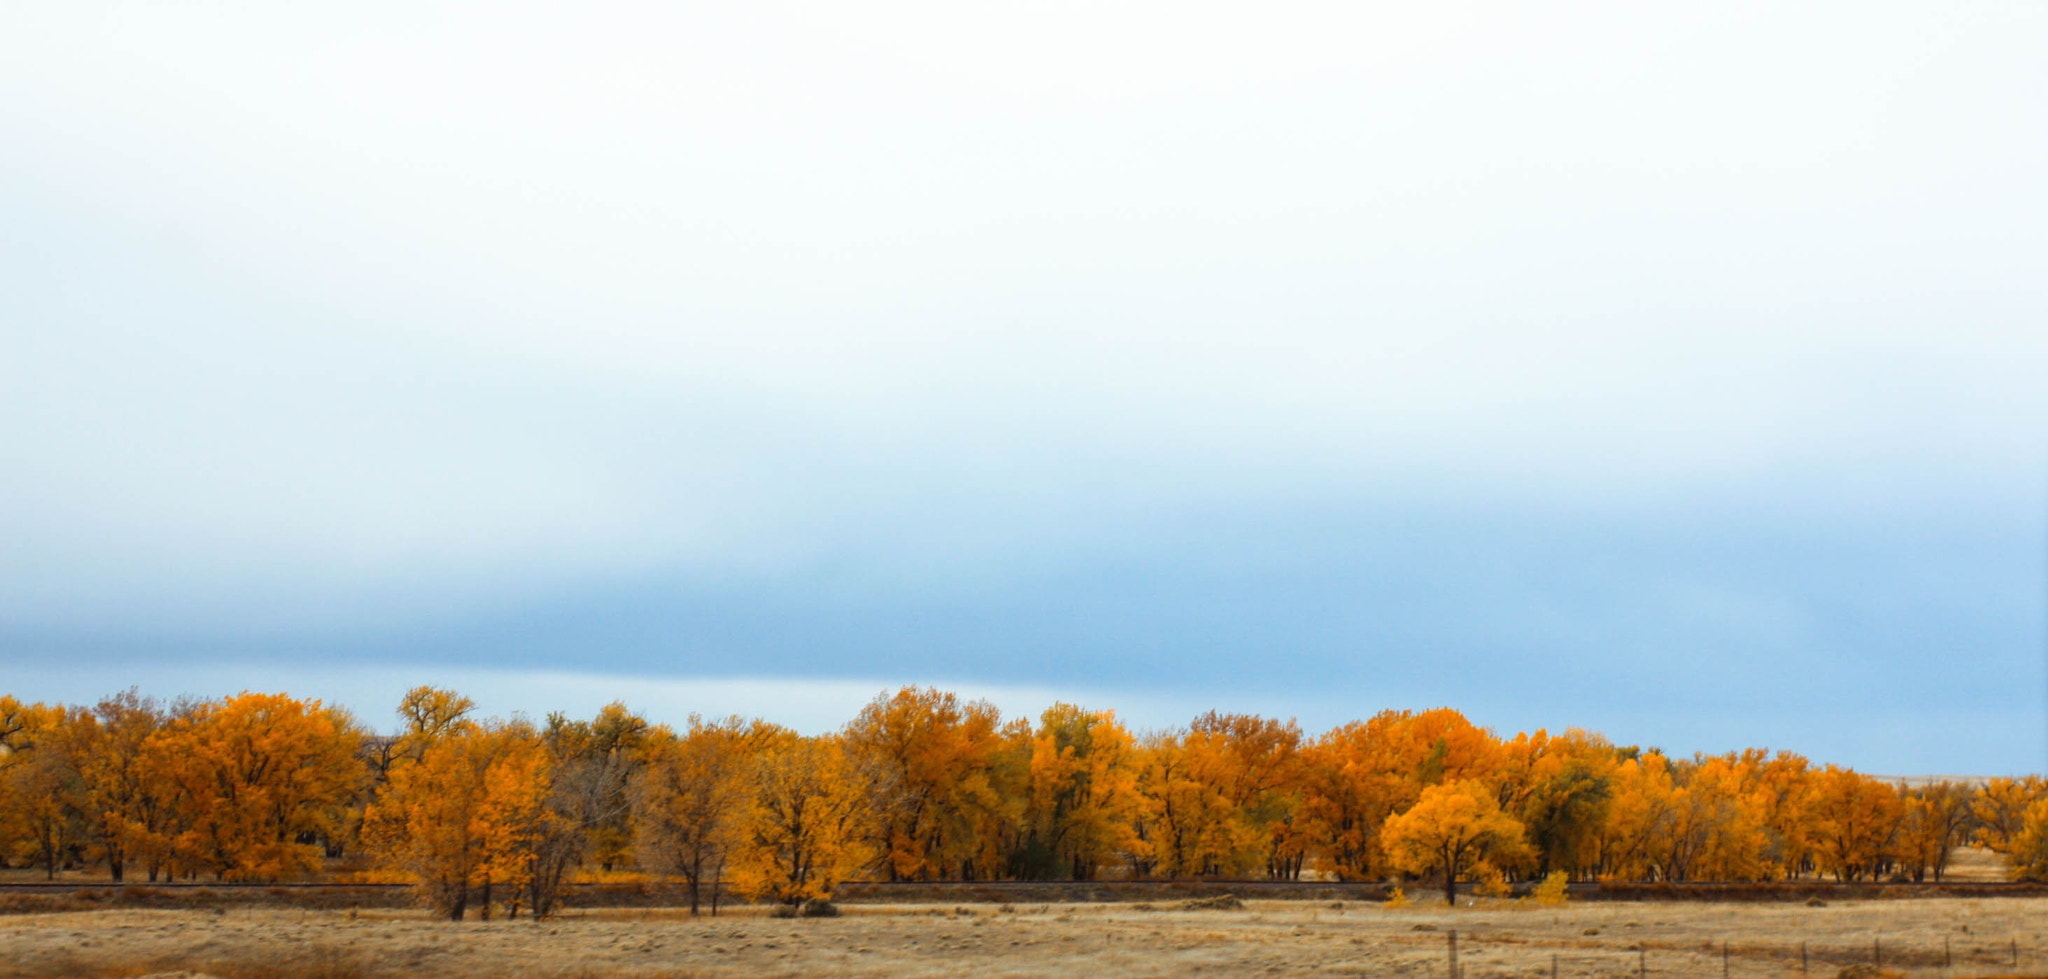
x=1552, y=891
x=815, y=907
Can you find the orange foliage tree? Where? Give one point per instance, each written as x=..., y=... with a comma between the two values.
x=464, y=813
x=802, y=830
x=123, y=807
x=1559, y=788
x=941, y=793
x=1358, y=774
x=690, y=797
x=1450, y=829
x=252, y=776
x=594, y=763
x=1937, y=820
x=38, y=783
x=924, y=785
x=1221, y=797
x=1082, y=797
x=2000, y=809
x=1856, y=824
x=2027, y=851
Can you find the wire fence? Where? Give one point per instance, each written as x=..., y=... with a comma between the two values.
x=1474, y=957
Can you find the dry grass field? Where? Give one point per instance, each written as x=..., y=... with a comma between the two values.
x=1270, y=938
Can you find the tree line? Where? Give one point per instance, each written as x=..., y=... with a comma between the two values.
x=496, y=813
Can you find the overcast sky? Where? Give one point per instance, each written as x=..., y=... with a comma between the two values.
x=1678, y=371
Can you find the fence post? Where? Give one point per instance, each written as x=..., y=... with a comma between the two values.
x=1724, y=958
x=1454, y=953
x=1553, y=965
x=1946, y=960
x=1877, y=952
x=1642, y=963
x=1802, y=958
x=2015, y=953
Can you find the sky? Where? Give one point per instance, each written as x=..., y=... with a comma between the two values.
x=1672, y=371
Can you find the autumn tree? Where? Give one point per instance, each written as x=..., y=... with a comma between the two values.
x=1937, y=820
x=13, y=725
x=1082, y=795
x=594, y=764
x=426, y=715
x=465, y=814
x=1452, y=827
x=940, y=789
x=254, y=775
x=1559, y=788
x=1719, y=821
x=690, y=798
x=2000, y=810
x=123, y=807
x=1222, y=795
x=1348, y=791
x=802, y=834
x=2027, y=850
x=1433, y=747
x=38, y=783
x=1856, y=823
x=1784, y=788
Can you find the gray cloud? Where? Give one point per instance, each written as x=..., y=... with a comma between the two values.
x=322, y=327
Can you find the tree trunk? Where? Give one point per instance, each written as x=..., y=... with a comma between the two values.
x=1450, y=877
x=717, y=875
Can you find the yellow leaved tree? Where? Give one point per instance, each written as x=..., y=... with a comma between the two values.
x=2028, y=852
x=37, y=780
x=461, y=819
x=1450, y=830
x=1082, y=795
x=801, y=835
x=942, y=797
x=1223, y=796
x=690, y=796
x=2000, y=808
x=251, y=777
x=1856, y=823
x=120, y=804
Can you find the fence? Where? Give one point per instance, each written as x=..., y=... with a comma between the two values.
x=1745, y=959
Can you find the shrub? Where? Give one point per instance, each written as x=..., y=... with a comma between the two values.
x=814, y=907
x=1552, y=891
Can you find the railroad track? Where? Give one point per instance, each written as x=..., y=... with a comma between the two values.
x=1252, y=885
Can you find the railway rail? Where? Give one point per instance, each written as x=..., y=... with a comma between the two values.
x=1246, y=887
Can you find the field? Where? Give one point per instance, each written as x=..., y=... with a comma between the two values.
x=1932, y=937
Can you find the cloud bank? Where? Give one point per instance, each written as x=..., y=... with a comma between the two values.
x=1682, y=363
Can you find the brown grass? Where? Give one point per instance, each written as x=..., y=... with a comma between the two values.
x=1603, y=940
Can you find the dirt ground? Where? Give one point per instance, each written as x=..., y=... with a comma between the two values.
x=1273, y=938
